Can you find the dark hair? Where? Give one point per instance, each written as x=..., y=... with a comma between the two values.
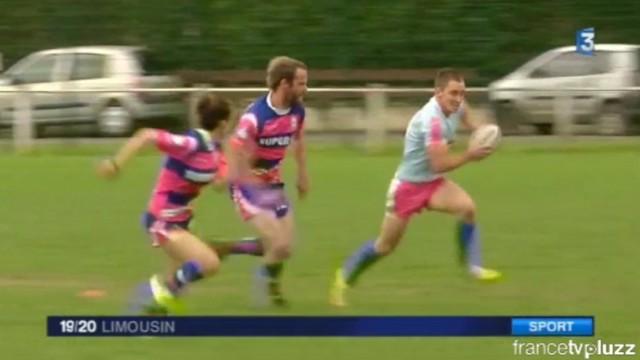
x=282, y=67
x=212, y=109
x=443, y=76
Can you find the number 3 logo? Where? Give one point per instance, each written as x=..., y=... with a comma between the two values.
x=585, y=41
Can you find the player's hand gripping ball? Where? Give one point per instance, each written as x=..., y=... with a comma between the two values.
x=485, y=136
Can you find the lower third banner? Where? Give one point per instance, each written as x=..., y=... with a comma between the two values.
x=308, y=326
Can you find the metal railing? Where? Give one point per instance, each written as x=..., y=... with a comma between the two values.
x=382, y=89
x=375, y=101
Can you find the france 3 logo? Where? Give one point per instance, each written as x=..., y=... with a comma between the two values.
x=585, y=41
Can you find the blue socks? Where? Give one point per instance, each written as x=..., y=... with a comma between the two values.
x=366, y=255
x=469, y=244
x=272, y=271
x=362, y=259
x=189, y=272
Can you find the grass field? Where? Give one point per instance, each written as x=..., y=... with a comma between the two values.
x=562, y=222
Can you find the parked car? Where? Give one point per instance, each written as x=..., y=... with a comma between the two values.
x=528, y=95
x=90, y=68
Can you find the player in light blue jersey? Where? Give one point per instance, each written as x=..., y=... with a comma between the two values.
x=419, y=183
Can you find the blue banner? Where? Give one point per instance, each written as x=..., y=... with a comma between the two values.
x=552, y=326
x=351, y=326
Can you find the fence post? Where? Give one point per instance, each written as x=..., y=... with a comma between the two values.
x=375, y=115
x=194, y=97
x=22, y=122
x=562, y=115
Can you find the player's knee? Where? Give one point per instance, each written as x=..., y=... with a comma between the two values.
x=385, y=248
x=271, y=235
x=210, y=264
x=468, y=211
x=281, y=250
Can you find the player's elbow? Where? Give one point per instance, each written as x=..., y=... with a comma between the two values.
x=438, y=165
x=234, y=170
x=238, y=154
x=437, y=155
x=145, y=135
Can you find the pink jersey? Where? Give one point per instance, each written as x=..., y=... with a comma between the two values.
x=192, y=161
x=266, y=132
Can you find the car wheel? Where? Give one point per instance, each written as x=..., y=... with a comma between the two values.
x=114, y=120
x=506, y=117
x=544, y=129
x=39, y=130
x=611, y=120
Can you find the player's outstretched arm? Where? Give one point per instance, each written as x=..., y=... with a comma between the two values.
x=443, y=161
x=109, y=168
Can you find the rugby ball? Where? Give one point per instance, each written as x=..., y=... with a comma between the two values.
x=488, y=135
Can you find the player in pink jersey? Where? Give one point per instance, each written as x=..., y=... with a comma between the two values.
x=193, y=160
x=258, y=147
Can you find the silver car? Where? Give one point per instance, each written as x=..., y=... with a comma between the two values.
x=530, y=96
x=52, y=76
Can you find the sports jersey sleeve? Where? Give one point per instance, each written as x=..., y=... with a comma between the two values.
x=433, y=131
x=246, y=132
x=175, y=145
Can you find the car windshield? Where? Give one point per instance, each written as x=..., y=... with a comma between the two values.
x=16, y=68
x=529, y=66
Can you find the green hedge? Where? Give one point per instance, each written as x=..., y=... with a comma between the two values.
x=492, y=36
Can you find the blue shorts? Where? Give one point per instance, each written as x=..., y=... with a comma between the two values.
x=253, y=199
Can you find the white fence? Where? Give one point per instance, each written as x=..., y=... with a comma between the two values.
x=376, y=100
